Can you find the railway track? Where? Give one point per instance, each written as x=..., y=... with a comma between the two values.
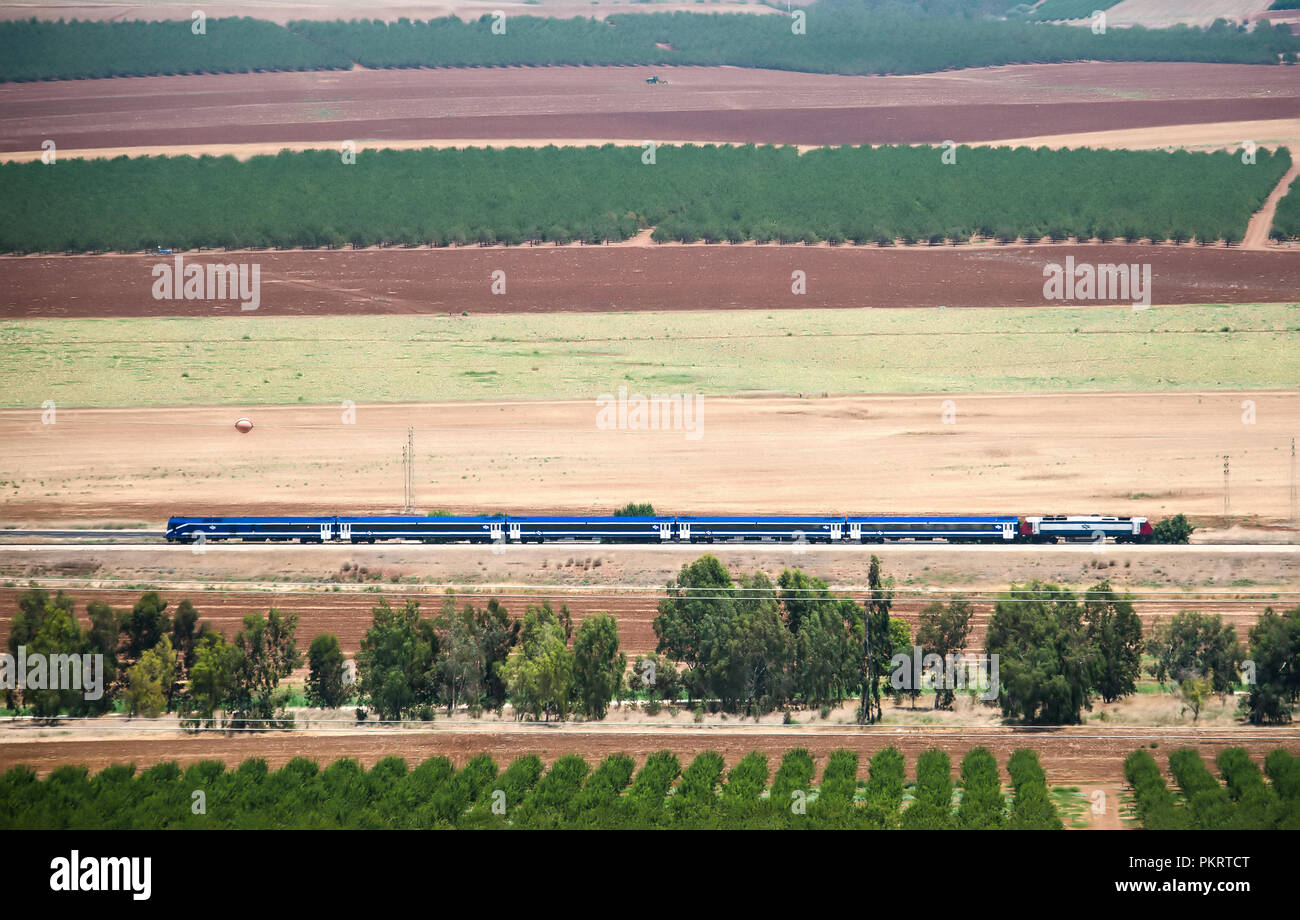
x=132, y=541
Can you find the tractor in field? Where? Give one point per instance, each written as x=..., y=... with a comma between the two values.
x=656, y=80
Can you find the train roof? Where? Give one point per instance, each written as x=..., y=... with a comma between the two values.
x=421, y=519
x=937, y=519
x=566, y=519
x=1081, y=517
x=764, y=518
x=259, y=519
x=614, y=519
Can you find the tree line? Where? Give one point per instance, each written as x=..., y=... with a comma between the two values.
x=156, y=660
x=1056, y=10
x=596, y=194
x=479, y=658
x=837, y=38
x=833, y=37
x=939, y=9
x=32, y=49
x=1286, y=222
x=751, y=646
x=570, y=795
x=1245, y=802
x=744, y=645
x=1059, y=652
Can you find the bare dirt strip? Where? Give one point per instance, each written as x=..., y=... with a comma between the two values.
x=1226, y=135
x=1068, y=755
x=1164, y=13
x=1261, y=224
x=589, y=279
x=720, y=104
x=1220, y=135
x=1154, y=454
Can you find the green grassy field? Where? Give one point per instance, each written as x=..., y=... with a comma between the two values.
x=271, y=360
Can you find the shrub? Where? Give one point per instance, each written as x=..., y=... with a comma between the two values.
x=1032, y=808
x=1176, y=529
x=981, y=801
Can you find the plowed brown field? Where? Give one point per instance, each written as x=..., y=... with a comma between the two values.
x=720, y=104
x=593, y=279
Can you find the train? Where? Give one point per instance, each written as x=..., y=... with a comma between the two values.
x=502, y=528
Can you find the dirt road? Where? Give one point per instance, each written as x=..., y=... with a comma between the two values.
x=1153, y=454
x=1078, y=755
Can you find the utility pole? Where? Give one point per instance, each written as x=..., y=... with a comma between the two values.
x=406, y=484
x=410, y=469
x=1293, y=483
x=1225, y=489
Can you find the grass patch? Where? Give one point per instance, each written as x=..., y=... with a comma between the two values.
x=717, y=353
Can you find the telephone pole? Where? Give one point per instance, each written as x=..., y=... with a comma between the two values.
x=1293, y=483
x=1225, y=489
x=406, y=484
x=410, y=469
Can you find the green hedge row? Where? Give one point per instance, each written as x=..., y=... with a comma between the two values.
x=441, y=197
x=982, y=806
x=1283, y=771
x=33, y=50
x=1246, y=802
x=835, y=38
x=1286, y=222
x=568, y=795
x=1033, y=808
x=932, y=809
x=1056, y=10
x=1154, y=803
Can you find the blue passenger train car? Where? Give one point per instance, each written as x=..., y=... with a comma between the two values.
x=952, y=529
x=602, y=529
x=697, y=529
x=207, y=529
x=789, y=529
x=427, y=529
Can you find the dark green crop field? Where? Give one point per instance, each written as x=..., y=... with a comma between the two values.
x=515, y=195
x=831, y=37
x=570, y=795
